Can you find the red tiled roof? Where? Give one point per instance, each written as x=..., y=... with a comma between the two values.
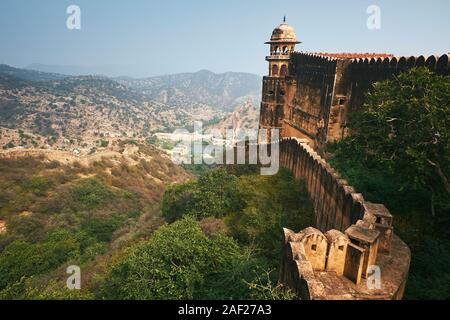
x=346, y=55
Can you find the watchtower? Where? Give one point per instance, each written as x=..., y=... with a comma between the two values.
x=282, y=44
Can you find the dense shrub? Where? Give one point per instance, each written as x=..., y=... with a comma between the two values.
x=178, y=201
x=36, y=185
x=269, y=204
x=21, y=259
x=102, y=229
x=256, y=208
x=215, y=194
x=91, y=193
x=181, y=262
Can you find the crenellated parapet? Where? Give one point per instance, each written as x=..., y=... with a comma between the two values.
x=380, y=68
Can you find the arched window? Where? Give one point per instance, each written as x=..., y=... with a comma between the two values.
x=285, y=50
x=274, y=70
x=283, y=71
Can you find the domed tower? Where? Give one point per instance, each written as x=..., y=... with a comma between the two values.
x=278, y=87
x=282, y=44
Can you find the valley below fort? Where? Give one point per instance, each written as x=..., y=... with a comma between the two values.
x=83, y=114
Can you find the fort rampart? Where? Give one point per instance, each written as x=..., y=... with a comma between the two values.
x=335, y=259
x=315, y=100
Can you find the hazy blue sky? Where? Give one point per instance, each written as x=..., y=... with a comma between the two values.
x=149, y=37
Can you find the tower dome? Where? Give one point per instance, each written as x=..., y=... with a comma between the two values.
x=282, y=45
x=284, y=33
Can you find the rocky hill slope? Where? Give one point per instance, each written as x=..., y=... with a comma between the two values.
x=49, y=110
x=80, y=111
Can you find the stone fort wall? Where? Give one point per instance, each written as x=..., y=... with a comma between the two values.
x=341, y=216
x=314, y=102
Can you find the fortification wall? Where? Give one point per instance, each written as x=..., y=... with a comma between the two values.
x=328, y=89
x=339, y=207
x=362, y=73
x=309, y=110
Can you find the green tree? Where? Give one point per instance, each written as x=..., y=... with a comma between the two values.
x=181, y=262
x=269, y=203
x=21, y=259
x=215, y=194
x=178, y=201
x=404, y=127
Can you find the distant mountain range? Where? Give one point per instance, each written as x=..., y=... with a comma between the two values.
x=68, y=111
x=224, y=91
x=105, y=70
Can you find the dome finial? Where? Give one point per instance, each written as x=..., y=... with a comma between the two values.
x=284, y=19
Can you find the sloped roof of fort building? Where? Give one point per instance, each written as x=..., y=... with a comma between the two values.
x=361, y=234
x=284, y=33
x=308, y=232
x=334, y=235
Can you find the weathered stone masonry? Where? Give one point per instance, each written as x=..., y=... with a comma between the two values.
x=333, y=261
x=310, y=102
x=321, y=90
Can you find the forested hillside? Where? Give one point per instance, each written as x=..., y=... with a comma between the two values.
x=217, y=237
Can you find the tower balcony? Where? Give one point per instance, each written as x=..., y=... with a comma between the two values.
x=278, y=57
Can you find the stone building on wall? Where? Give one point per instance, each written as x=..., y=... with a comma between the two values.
x=311, y=95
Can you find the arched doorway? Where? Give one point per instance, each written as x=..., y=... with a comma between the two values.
x=283, y=71
x=274, y=70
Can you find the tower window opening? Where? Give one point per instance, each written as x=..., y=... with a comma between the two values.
x=283, y=70
x=275, y=70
